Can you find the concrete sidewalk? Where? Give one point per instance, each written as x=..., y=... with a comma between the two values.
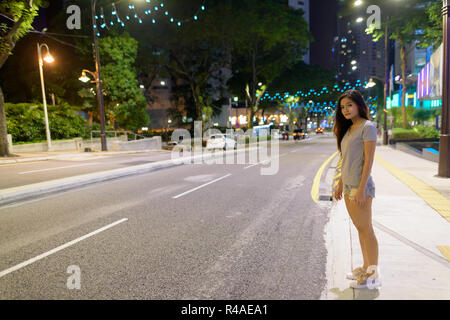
x=413, y=236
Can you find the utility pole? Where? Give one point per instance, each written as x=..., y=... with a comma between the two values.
x=386, y=83
x=444, y=142
x=99, y=79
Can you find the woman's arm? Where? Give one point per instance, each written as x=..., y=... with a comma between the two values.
x=369, y=154
x=339, y=186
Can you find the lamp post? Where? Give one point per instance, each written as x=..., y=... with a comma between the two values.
x=98, y=78
x=444, y=142
x=49, y=59
x=386, y=83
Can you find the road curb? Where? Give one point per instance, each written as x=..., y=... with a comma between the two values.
x=13, y=195
x=322, y=186
x=72, y=155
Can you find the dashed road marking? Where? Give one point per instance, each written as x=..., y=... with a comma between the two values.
x=58, y=168
x=203, y=185
x=68, y=244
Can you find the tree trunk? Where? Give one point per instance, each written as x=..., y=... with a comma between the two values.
x=404, y=88
x=4, y=150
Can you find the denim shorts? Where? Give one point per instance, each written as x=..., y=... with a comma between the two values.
x=351, y=190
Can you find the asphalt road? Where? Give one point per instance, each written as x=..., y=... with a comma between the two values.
x=20, y=174
x=25, y=173
x=191, y=232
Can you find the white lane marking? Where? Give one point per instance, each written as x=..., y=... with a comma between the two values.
x=203, y=185
x=79, y=159
x=265, y=161
x=57, y=168
x=68, y=244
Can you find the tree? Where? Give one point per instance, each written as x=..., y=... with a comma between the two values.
x=302, y=77
x=404, y=26
x=125, y=101
x=432, y=33
x=21, y=14
x=269, y=37
x=191, y=54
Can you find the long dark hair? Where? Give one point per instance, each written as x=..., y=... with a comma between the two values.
x=341, y=124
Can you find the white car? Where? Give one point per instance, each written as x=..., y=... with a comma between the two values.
x=221, y=141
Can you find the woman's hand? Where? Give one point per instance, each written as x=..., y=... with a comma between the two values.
x=360, y=197
x=338, y=191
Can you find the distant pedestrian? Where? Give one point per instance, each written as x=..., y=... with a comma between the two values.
x=356, y=141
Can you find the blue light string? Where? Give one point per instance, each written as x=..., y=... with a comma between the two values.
x=132, y=13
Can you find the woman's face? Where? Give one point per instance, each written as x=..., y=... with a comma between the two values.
x=349, y=109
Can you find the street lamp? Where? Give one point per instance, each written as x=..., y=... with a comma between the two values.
x=444, y=142
x=84, y=78
x=49, y=59
x=371, y=83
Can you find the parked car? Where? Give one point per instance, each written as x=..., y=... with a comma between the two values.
x=221, y=141
x=319, y=130
x=299, y=134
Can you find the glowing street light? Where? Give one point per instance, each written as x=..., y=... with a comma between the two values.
x=49, y=59
x=358, y=3
x=371, y=84
x=84, y=78
x=359, y=20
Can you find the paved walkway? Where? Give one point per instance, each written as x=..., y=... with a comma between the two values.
x=413, y=235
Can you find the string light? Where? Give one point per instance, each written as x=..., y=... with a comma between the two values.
x=323, y=108
x=132, y=13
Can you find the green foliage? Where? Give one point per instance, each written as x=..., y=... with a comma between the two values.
x=23, y=14
x=432, y=33
x=400, y=133
x=418, y=132
x=269, y=37
x=26, y=122
x=422, y=115
x=301, y=76
x=123, y=96
x=427, y=132
x=396, y=112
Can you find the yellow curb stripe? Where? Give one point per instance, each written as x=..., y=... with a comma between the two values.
x=316, y=183
x=445, y=251
x=432, y=197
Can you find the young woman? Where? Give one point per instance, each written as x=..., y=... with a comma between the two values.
x=356, y=141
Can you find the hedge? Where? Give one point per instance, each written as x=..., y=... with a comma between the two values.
x=26, y=122
x=417, y=132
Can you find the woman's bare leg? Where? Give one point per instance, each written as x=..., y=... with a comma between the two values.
x=362, y=219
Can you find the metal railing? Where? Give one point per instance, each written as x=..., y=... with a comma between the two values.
x=120, y=132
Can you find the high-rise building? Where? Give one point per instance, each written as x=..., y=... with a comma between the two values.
x=323, y=27
x=356, y=55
